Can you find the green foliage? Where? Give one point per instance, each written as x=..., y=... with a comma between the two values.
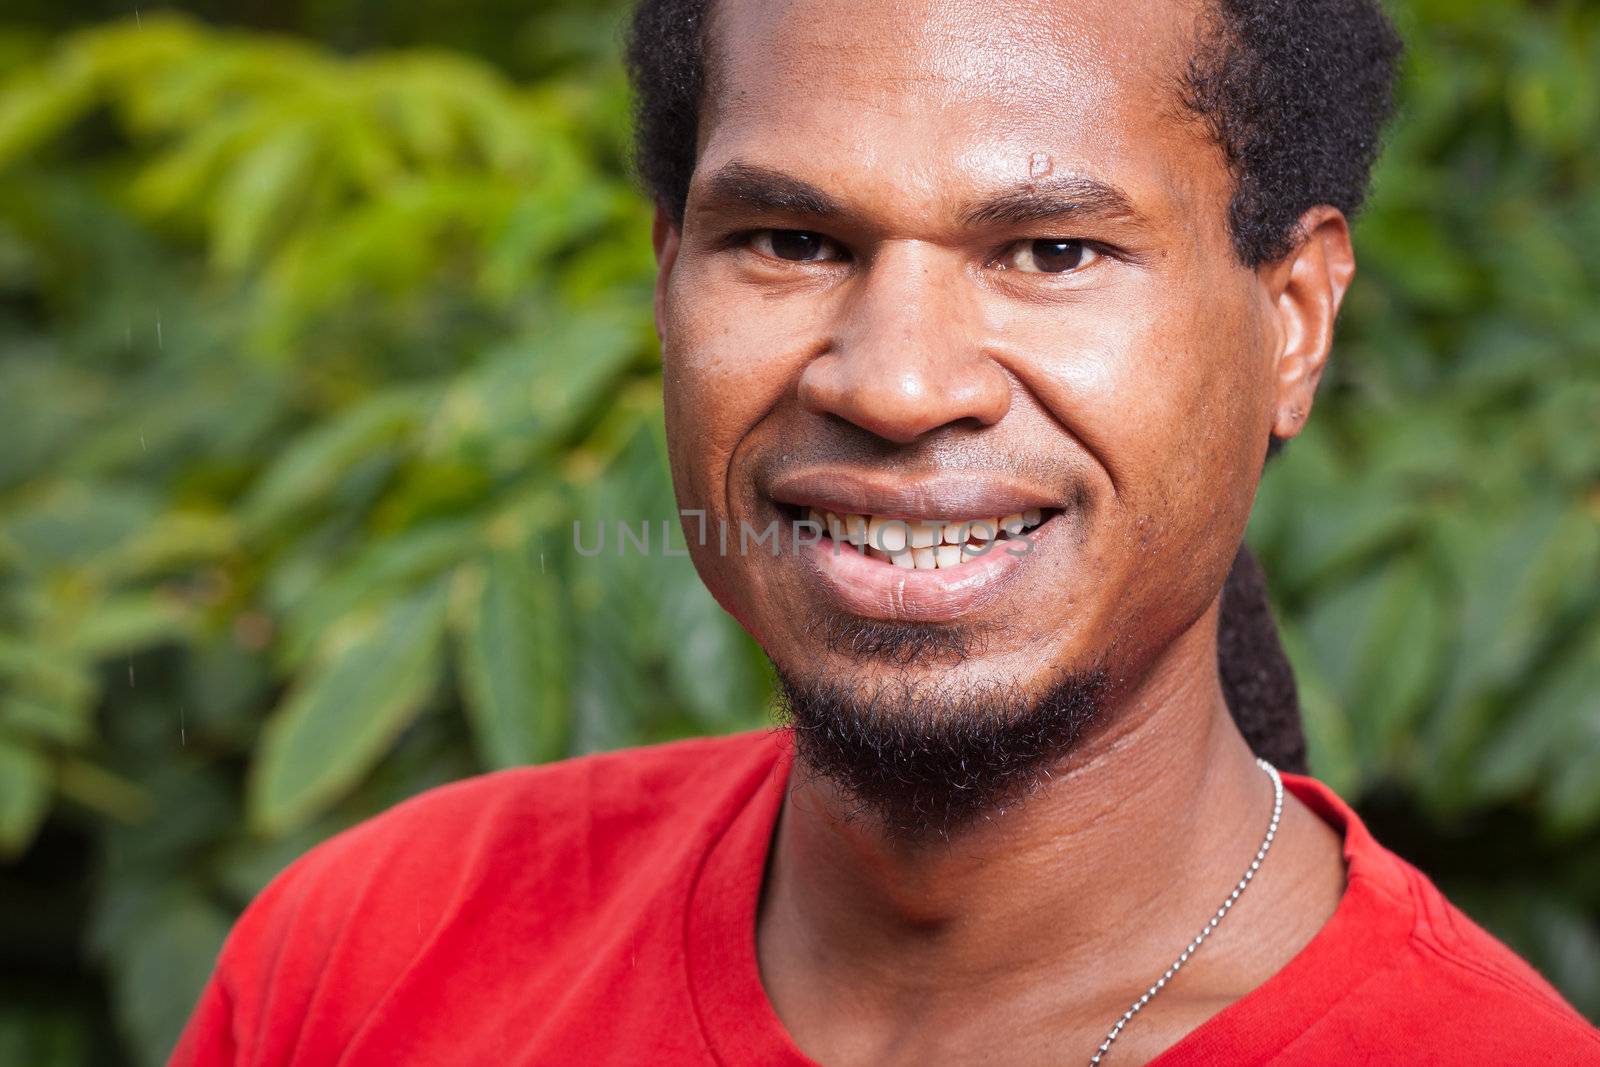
x=311, y=362
x=1434, y=538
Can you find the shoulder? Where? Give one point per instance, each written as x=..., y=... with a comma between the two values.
x=631, y=787
x=1411, y=975
x=1467, y=981
x=522, y=858
x=525, y=817
x=565, y=834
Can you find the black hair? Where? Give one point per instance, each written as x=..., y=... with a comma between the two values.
x=1257, y=679
x=1296, y=94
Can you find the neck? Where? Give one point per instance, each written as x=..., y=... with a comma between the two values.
x=1081, y=893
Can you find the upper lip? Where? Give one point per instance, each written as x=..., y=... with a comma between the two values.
x=950, y=496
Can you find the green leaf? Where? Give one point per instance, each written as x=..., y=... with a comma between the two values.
x=259, y=194
x=529, y=393
x=24, y=795
x=1404, y=643
x=47, y=675
x=68, y=523
x=378, y=572
x=37, y=103
x=313, y=465
x=1572, y=801
x=35, y=715
x=126, y=623
x=159, y=972
x=514, y=650
x=1330, y=744
x=376, y=671
x=41, y=1036
x=1543, y=731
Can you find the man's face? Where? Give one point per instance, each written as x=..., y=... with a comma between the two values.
x=954, y=262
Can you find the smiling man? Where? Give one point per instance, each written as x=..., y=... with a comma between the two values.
x=985, y=315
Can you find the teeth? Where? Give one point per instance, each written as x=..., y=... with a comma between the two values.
x=856, y=529
x=887, y=534
x=920, y=543
x=926, y=534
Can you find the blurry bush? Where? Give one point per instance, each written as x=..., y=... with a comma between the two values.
x=311, y=361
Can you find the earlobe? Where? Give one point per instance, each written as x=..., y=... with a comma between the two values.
x=665, y=239
x=1309, y=285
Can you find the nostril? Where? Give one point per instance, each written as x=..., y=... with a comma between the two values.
x=901, y=393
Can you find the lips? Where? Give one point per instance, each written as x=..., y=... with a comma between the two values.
x=946, y=497
x=913, y=549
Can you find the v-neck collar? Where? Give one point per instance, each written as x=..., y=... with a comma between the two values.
x=1373, y=917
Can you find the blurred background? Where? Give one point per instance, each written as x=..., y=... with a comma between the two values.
x=321, y=321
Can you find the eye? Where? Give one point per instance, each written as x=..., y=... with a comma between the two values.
x=1048, y=255
x=796, y=246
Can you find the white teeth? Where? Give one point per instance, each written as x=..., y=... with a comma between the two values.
x=926, y=534
x=887, y=534
x=921, y=543
x=856, y=529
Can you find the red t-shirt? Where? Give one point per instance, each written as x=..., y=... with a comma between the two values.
x=602, y=911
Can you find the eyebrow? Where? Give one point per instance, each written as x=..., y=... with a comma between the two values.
x=1072, y=195
x=768, y=190
x=1068, y=196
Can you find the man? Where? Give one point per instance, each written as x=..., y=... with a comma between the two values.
x=990, y=310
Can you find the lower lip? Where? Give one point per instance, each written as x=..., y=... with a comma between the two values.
x=876, y=589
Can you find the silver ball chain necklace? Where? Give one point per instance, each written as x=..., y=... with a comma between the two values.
x=1205, y=932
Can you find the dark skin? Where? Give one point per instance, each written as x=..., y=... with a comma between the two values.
x=1129, y=371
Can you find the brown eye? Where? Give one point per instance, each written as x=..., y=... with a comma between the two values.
x=1049, y=255
x=797, y=246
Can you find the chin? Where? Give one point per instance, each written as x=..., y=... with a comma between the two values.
x=924, y=754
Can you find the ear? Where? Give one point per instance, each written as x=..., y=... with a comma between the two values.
x=664, y=238
x=1306, y=288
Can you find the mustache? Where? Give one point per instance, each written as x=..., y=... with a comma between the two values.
x=1065, y=476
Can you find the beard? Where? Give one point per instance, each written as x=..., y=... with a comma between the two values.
x=923, y=759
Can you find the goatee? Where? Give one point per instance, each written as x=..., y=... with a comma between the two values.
x=925, y=761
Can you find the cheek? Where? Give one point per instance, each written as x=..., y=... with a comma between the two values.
x=1169, y=394
x=728, y=362
x=1166, y=391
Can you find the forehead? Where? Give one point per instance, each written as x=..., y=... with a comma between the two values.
x=941, y=98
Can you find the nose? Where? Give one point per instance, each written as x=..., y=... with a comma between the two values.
x=907, y=355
